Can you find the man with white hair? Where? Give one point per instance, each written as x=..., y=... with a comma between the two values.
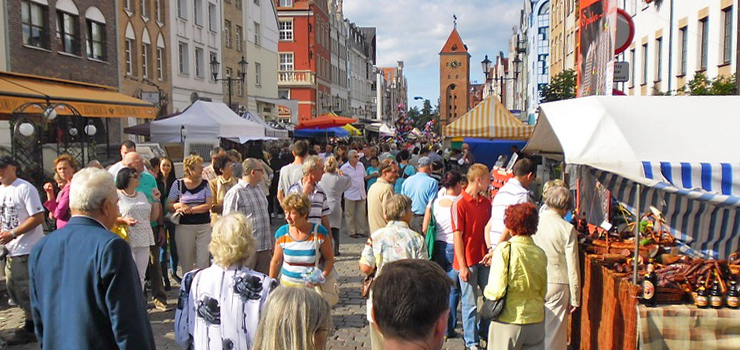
x=355, y=197
x=247, y=198
x=313, y=170
x=85, y=289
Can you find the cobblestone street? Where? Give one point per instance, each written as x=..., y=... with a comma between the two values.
x=349, y=315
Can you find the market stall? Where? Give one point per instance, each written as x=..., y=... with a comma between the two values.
x=489, y=120
x=643, y=166
x=270, y=131
x=206, y=121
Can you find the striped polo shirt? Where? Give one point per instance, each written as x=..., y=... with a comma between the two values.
x=298, y=256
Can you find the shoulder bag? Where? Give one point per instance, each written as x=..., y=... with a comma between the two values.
x=329, y=290
x=174, y=217
x=431, y=231
x=492, y=309
x=367, y=282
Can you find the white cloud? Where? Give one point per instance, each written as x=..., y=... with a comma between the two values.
x=414, y=31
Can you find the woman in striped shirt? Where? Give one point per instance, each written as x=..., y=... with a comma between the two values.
x=296, y=243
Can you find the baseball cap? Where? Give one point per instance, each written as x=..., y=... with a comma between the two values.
x=424, y=162
x=7, y=160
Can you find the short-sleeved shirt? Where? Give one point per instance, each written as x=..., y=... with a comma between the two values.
x=376, y=197
x=318, y=199
x=250, y=201
x=289, y=175
x=18, y=202
x=371, y=170
x=396, y=241
x=422, y=189
x=139, y=208
x=192, y=197
x=356, y=191
x=470, y=215
x=510, y=193
x=147, y=183
x=298, y=256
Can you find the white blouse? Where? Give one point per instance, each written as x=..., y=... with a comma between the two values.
x=220, y=308
x=139, y=208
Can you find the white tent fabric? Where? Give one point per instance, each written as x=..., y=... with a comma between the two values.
x=661, y=142
x=269, y=130
x=206, y=121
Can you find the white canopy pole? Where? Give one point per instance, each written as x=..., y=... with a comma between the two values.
x=637, y=233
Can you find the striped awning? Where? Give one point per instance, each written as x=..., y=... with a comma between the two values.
x=489, y=120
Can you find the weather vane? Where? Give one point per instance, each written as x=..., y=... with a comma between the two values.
x=454, y=20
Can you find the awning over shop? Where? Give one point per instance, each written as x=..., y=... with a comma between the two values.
x=90, y=100
x=489, y=120
x=684, y=148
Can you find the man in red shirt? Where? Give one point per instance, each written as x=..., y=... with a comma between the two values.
x=470, y=213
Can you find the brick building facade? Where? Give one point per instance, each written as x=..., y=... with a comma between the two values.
x=454, y=79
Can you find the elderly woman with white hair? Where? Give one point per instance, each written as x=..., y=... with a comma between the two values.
x=559, y=240
x=313, y=171
x=220, y=306
x=334, y=184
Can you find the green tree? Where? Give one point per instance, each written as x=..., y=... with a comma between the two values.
x=420, y=117
x=561, y=87
x=701, y=85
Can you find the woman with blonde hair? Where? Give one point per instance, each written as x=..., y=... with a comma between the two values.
x=334, y=185
x=191, y=199
x=65, y=166
x=220, y=306
x=295, y=319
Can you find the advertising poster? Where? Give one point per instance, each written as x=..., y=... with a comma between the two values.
x=597, y=24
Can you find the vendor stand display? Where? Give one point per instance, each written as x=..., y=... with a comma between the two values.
x=489, y=120
x=647, y=155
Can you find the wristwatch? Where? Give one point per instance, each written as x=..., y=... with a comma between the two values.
x=15, y=235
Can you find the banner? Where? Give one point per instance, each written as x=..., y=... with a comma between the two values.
x=596, y=35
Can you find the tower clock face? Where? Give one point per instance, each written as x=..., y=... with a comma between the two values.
x=455, y=64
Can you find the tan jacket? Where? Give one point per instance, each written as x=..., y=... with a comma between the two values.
x=559, y=240
x=378, y=193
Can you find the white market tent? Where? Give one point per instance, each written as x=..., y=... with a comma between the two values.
x=683, y=148
x=269, y=130
x=206, y=121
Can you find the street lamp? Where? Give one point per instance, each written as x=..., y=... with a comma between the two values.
x=486, y=65
x=214, y=71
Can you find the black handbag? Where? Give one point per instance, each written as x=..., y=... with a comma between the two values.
x=492, y=309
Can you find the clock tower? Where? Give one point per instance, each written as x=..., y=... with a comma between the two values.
x=454, y=79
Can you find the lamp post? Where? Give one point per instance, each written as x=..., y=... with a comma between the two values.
x=486, y=65
x=214, y=71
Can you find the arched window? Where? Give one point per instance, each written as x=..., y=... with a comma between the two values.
x=129, y=48
x=68, y=27
x=96, y=38
x=160, y=58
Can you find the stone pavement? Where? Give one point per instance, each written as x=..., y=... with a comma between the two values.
x=349, y=315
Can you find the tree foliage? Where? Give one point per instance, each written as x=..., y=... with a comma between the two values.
x=420, y=117
x=701, y=85
x=561, y=87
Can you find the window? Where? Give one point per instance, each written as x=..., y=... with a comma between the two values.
x=238, y=4
x=145, y=59
x=683, y=39
x=34, y=24
x=212, y=17
x=238, y=38
x=212, y=56
x=257, y=74
x=727, y=35
x=128, y=5
x=227, y=71
x=198, y=12
x=632, y=68
x=286, y=3
x=286, y=30
x=286, y=61
x=144, y=4
x=199, y=64
x=257, y=34
x=96, y=40
x=703, y=43
x=658, y=58
x=227, y=33
x=644, y=63
x=239, y=84
x=284, y=94
x=158, y=11
x=182, y=9
x=67, y=33
x=129, y=52
x=182, y=57
x=160, y=64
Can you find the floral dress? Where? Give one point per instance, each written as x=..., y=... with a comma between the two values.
x=219, y=308
x=139, y=208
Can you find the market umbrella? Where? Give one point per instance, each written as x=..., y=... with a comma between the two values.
x=336, y=132
x=329, y=120
x=352, y=130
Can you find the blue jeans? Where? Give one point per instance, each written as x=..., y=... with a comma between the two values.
x=444, y=253
x=174, y=261
x=478, y=278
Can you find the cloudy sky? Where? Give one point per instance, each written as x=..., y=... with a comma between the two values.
x=414, y=31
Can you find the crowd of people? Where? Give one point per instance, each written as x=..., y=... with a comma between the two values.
x=436, y=241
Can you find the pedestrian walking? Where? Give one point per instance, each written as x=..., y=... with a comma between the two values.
x=379, y=193
x=21, y=216
x=355, y=198
x=470, y=213
x=246, y=197
x=313, y=171
x=292, y=172
x=65, y=166
x=334, y=185
x=422, y=189
x=513, y=192
x=168, y=255
x=98, y=304
x=126, y=147
x=209, y=173
x=223, y=166
x=405, y=169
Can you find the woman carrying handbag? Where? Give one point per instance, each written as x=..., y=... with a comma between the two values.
x=518, y=279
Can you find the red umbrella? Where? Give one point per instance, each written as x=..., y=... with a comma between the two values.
x=325, y=121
